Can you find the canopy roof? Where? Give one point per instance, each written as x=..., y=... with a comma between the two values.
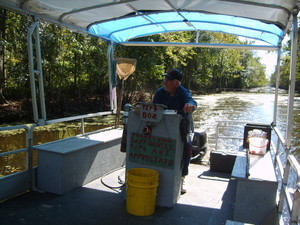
x=121, y=21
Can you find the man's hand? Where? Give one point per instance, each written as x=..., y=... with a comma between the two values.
x=188, y=108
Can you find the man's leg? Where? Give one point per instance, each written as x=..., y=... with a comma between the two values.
x=186, y=161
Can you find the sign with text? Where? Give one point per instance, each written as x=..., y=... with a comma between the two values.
x=151, y=112
x=151, y=150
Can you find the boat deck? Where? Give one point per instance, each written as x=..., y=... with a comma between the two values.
x=208, y=201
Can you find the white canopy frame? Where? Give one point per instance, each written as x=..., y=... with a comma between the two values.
x=124, y=20
x=75, y=19
x=293, y=63
x=33, y=35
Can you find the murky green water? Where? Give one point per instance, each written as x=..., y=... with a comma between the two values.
x=250, y=107
x=16, y=139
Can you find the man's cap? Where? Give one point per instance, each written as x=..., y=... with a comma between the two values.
x=173, y=74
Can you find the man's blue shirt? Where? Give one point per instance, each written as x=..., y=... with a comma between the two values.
x=175, y=102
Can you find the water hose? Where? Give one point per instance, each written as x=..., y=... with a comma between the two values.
x=120, y=181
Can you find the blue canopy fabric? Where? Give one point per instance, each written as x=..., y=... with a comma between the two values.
x=123, y=30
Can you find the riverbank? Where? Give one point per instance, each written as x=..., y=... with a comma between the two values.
x=17, y=112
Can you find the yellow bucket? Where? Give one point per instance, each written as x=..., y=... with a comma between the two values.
x=141, y=190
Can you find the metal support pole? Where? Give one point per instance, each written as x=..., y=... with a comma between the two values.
x=284, y=183
x=29, y=144
x=33, y=32
x=296, y=205
x=292, y=82
x=31, y=71
x=197, y=36
x=277, y=87
x=40, y=71
x=112, y=89
x=82, y=126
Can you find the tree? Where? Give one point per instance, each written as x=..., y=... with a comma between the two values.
x=2, y=55
x=76, y=72
x=285, y=67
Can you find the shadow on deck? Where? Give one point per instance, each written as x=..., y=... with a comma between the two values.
x=209, y=201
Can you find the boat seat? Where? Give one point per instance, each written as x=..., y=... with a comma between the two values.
x=66, y=164
x=256, y=188
x=258, y=167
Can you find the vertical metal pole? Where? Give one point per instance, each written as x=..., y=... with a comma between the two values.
x=112, y=90
x=283, y=186
x=82, y=126
x=29, y=139
x=292, y=82
x=29, y=144
x=277, y=86
x=31, y=70
x=40, y=71
x=217, y=135
x=296, y=205
x=109, y=76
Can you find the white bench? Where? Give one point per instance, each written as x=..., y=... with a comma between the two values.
x=256, y=190
x=69, y=163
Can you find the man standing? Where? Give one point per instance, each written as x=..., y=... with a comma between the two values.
x=176, y=97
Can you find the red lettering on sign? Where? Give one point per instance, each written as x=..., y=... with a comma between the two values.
x=150, y=108
x=144, y=114
x=149, y=115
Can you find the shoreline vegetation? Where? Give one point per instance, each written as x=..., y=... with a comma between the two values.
x=18, y=112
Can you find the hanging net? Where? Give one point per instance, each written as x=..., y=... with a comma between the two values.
x=125, y=67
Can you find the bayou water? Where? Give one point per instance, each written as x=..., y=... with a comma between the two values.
x=250, y=107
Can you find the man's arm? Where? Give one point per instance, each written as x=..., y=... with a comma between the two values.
x=157, y=99
x=190, y=104
x=188, y=108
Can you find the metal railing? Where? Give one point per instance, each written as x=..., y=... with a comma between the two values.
x=287, y=170
x=81, y=118
x=18, y=181
x=225, y=124
x=288, y=175
x=29, y=130
x=28, y=144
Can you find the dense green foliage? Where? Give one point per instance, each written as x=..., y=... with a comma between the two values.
x=75, y=66
x=284, y=72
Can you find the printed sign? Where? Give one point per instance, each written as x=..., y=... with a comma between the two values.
x=151, y=150
x=151, y=112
